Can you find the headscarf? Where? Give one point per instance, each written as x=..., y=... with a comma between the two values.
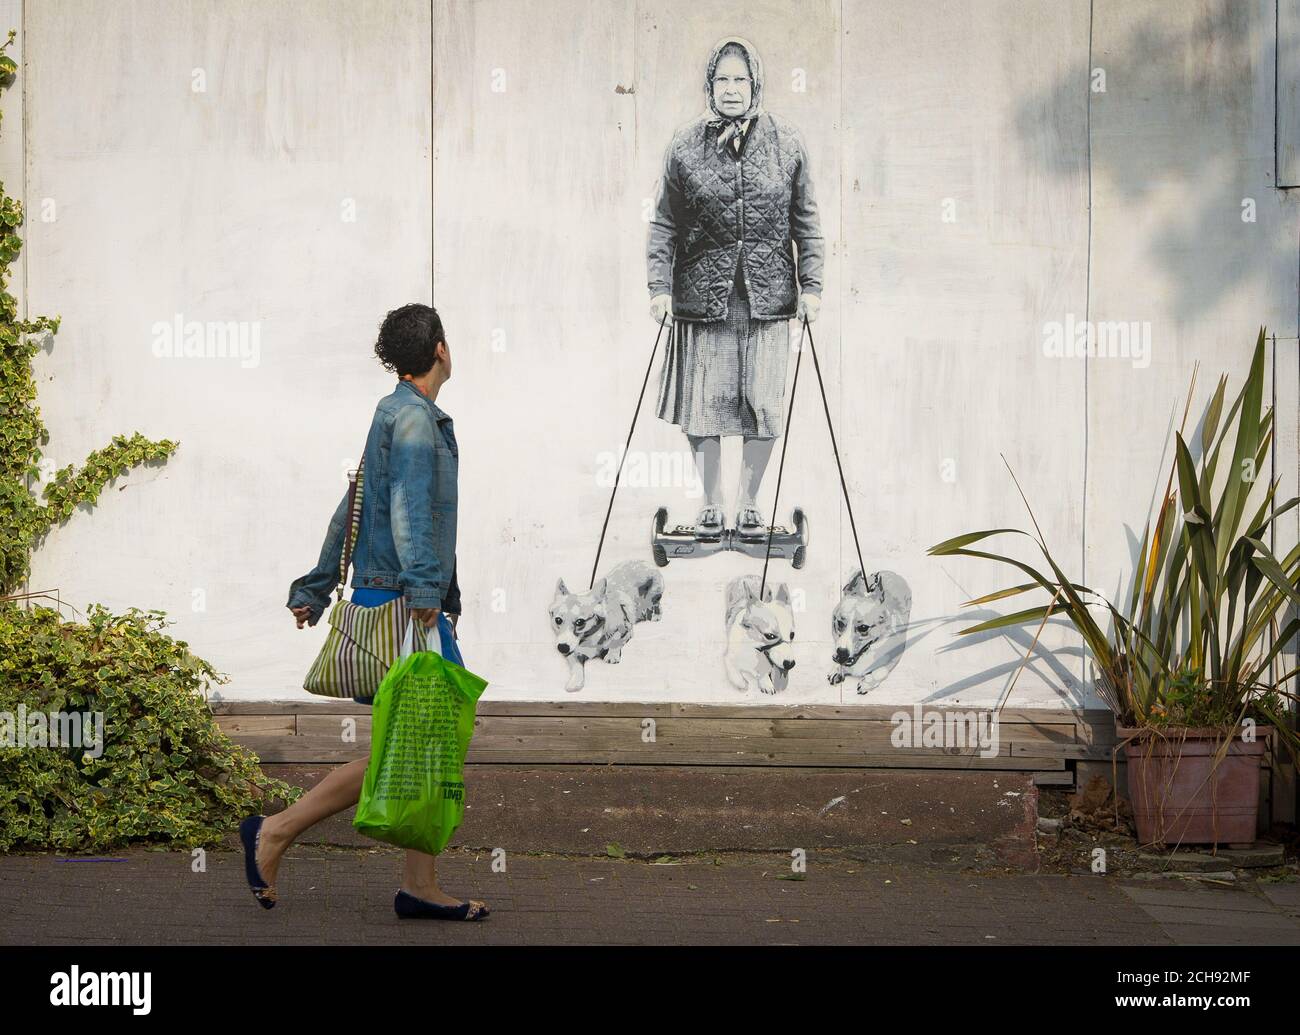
x=728, y=126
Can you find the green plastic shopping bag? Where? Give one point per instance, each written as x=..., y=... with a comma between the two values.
x=413, y=794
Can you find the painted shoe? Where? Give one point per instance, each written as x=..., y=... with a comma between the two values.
x=749, y=522
x=408, y=907
x=709, y=524
x=250, y=833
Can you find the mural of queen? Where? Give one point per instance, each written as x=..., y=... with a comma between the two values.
x=735, y=251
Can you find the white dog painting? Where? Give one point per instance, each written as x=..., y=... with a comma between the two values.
x=869, y=628
x=599, y=623
x=759, y=635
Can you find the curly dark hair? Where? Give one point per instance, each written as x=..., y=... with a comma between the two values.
x=408, y=338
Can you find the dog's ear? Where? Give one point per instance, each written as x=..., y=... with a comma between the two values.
x=870, y=586
x=599, y=588
x=560, y=589
x=783, y=594
x=767, y=594
x=896, y=595
x=857, y=584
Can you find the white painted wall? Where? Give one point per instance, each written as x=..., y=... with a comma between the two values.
x=520, y=211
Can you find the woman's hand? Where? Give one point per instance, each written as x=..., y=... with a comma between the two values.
x=302, y=614
x=809, y=306
x=661, y=306
x=426, y=616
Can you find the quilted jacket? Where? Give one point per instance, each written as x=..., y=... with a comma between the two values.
x=717, y=210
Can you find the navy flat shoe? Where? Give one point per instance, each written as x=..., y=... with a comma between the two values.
x=250, y=831
x=408, y=907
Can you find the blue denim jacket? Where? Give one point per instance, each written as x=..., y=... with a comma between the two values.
x=407, y=537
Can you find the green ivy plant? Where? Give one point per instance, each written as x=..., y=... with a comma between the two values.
x=164, y=771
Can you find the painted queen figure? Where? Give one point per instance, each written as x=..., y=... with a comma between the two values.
x=735, y=252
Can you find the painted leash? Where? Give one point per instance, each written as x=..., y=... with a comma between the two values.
x=626, y=446
x=830, y=426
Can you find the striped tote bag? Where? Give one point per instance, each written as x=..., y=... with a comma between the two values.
x=363, y=642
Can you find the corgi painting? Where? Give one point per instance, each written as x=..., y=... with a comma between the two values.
x=599, y=623
x=869, y=629
x=759, y=655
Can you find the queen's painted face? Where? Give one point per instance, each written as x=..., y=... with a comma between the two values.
x=732, y=86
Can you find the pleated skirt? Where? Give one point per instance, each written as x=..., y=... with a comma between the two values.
x=726, y=377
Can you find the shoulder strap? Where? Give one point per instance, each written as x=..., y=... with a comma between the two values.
x=356, y=490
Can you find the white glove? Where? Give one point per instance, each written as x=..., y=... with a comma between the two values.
x=661, y=306
x=809, y=306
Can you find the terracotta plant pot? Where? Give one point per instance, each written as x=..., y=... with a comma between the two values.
x=1178, y=794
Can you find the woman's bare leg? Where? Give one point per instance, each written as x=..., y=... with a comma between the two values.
x=419, y=878
x=755, y=454
x=708, y=461
x=338, y=791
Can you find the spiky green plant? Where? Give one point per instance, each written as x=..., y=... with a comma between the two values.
x=1192, y=648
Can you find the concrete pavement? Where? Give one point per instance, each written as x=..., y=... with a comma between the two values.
x=344, y=896
x=641, y=855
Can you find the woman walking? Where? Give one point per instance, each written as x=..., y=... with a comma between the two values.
x=406, y=547
x=734, y=204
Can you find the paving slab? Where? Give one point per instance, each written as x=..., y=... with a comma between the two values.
x=344, y=896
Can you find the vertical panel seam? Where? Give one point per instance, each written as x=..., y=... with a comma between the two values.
x=839, y=293
x=1087, y=316
x=1277, y=58
x=433, y=163
x=25, y=304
